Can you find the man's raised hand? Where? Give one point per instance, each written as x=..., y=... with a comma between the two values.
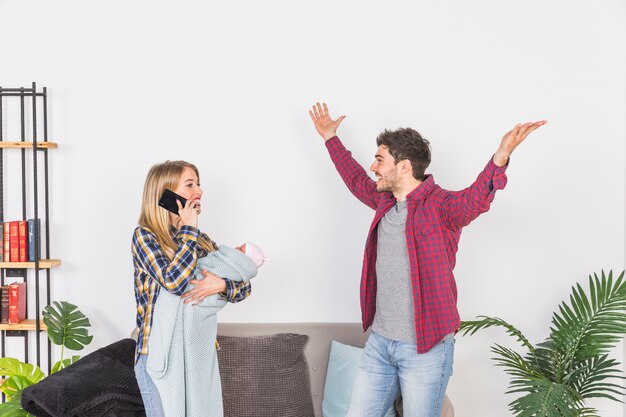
x=512, y=139
x=325, y=125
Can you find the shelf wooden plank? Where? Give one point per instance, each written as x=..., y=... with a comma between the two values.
x=43, y=264
x=28, y=145
x=23, y=325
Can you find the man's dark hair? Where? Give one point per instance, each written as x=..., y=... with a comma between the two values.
x=407, y=143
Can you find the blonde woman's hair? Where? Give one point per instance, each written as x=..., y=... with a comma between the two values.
x=157, y=219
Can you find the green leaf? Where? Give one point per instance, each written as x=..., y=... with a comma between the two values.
x=19, y=376
x=12, y=367
x=14, y=385
x=514, y=363
x=64, y=363
x=591, y=378
x=13, y=408
x=472, y=327
x=550, y=360
x=545, y=398
x=593, y=327
x=67, y=326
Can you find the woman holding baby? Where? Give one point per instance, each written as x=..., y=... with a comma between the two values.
x=166, y=249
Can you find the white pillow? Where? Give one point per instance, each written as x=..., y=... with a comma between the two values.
x=342, y=366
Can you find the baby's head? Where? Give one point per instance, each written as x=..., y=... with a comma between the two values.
x=253, y=252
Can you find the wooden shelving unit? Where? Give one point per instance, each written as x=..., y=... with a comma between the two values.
x=31, y=106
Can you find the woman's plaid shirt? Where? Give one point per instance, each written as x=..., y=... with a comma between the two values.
x=154, y=270
x=434, y=222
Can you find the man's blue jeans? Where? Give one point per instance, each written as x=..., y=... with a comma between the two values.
x=389, y=367
x=149, y=392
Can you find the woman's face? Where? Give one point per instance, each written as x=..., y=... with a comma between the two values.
x=189, y=187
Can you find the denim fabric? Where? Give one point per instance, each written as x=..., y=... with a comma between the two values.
x=149, y=392
x=390, y=367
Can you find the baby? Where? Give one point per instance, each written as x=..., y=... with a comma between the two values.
x=254, y=252
x=237, y=264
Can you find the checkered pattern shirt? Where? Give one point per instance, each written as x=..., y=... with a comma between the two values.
x=434, y=221
x=154, y=270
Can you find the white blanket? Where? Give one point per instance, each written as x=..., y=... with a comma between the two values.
x=182, y=360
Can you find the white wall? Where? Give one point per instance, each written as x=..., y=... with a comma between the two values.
x=227, y=85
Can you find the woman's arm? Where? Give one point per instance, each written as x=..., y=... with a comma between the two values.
x=231, y=291
x=172, y=275
x=237, y=291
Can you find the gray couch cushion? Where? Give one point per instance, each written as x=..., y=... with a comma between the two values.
x=265, y=376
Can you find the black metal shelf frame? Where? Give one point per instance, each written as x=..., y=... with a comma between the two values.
x=35, y=97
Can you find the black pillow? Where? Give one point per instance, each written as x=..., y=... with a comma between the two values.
x=102, y=383
x=265, y=376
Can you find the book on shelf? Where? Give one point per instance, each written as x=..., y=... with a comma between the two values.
x=7, y=239
x=23, y=240
x=17, y=302
x=4, y=304
x=31, y=239
x=14, y=241
x=17, y=240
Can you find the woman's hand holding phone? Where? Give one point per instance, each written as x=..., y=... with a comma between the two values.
x=187, y=215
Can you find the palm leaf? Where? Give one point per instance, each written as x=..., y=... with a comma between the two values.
x=472, y=327
x=544, y=398
x=588, y=412
x=514, y=364
x=550, y=360
x=67, y=326
x=590, y=378
x=591, y=326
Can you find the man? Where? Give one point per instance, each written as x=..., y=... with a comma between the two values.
x=408, y=292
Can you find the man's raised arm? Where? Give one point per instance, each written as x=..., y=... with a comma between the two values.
x=352, y=173
x=464, y=206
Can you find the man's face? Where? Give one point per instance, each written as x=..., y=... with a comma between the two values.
x=385, y=169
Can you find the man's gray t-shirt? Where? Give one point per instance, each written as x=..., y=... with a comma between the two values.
x=394, y=318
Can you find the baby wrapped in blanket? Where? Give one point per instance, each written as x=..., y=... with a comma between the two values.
x=182, y=359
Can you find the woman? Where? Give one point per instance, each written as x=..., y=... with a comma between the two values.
x=165, y=249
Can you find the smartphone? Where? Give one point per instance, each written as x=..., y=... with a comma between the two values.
x=168, y=201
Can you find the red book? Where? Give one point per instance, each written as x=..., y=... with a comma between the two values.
x=17, y=302
x=23, y=240
x=14, y=241
x=7, y=238
x=4, y=307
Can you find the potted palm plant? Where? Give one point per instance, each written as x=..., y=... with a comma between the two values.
x=557, y=377
x=68, y=328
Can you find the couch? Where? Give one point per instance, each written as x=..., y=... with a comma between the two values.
x=316, y=350
x=251, y=358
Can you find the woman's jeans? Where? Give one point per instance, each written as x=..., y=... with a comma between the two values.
x=389, y=367
x=149, y=392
